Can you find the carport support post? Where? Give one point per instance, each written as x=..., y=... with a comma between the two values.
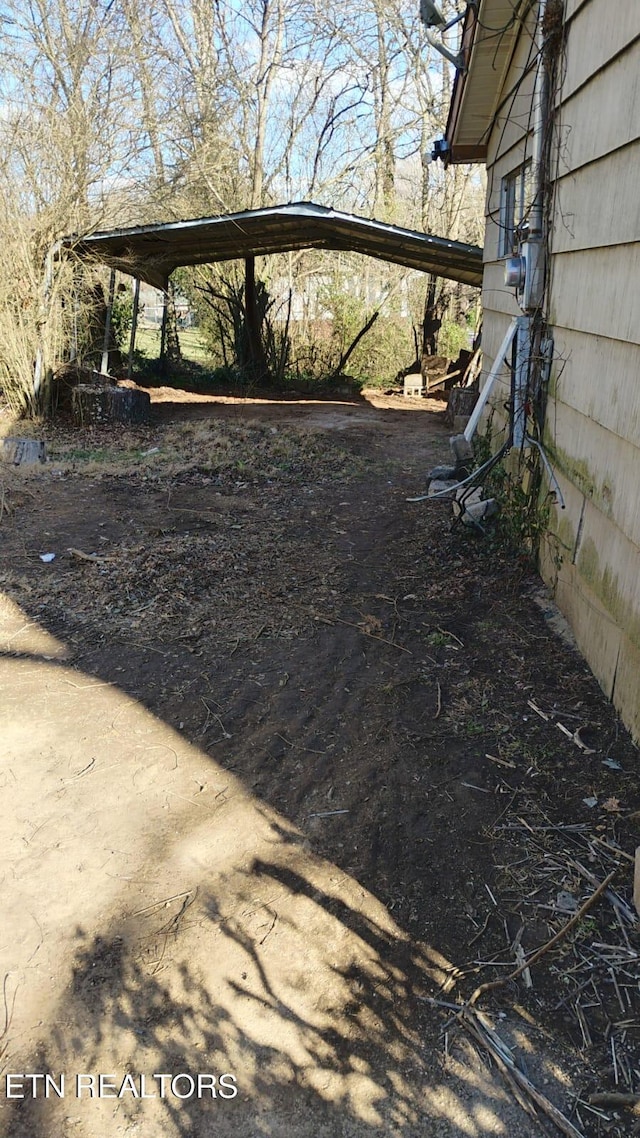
x=42, y=370
x=104, y=366
x=252, y=318
x=163, y=330
x=134, y=326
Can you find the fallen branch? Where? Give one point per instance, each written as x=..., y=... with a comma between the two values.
x=86, y=556
x=616, y=1098
x=491, y=985
x=372, y=635
x=163, y=903
x=505, y=1062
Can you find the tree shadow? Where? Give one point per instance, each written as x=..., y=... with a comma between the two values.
x=334, y=1054
x=306, y=951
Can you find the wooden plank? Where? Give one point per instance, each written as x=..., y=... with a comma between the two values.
x=602, y=465
x=580, y=222
x=598, y=377
x=596, y=33
x=603, y=116
x=593, y=291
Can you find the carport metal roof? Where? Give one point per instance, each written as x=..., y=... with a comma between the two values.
x=152, y=252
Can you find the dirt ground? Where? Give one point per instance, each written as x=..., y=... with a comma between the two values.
x=286, y=758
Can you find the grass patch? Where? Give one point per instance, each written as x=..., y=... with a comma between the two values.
x=222, y=451
x=191, y=345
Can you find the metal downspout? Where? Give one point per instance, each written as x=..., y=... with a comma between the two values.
x=534, y=248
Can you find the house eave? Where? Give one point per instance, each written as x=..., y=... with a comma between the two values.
x=489, y=37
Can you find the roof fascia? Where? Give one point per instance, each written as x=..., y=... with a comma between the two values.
x=479, y=16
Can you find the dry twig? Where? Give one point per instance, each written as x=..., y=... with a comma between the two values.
x=371, y=635
x=491, y=985
x=506, y=1064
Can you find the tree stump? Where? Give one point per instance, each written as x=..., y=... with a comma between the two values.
x=434, y=370
x=93, y=405
x=461, y=402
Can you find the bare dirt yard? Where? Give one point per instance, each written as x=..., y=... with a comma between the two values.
x=290, y=766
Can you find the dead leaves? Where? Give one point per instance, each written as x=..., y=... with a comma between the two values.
x=370, y=624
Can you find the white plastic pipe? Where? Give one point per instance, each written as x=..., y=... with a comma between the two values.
x=471, y=426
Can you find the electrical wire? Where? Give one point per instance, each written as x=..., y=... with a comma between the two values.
x=517, y=15
x=547, y=465
x=486, y=466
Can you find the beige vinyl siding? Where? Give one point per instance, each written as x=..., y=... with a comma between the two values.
x=573, y=6
x=600, y=599
x=602, y=465
x=604, y=115
x=586, y=220
x=612, y=401
x=626, y=685
x=596, y=291
x=618, y=25
x=591, y=555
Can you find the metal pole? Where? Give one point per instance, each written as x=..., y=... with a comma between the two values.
x=73, y=354
x=134, y=326
x=534, y=290
x=39, y=375
x=252, y=317
x=104, y=366
x=521, y=380
x=163, y=331
x=540, y=112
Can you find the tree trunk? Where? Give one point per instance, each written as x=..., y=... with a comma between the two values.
x=431, y=321
x=257, y=359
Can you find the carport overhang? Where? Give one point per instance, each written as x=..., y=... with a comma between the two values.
x=152, y=252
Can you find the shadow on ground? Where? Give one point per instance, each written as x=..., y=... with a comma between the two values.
x=248, y=838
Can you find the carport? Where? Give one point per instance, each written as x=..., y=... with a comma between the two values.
x=151, y=252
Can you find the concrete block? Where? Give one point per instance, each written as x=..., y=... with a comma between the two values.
x=461, y=449
x=442, y=488
x=23, y=452
x=414, y=385
x=441, y=473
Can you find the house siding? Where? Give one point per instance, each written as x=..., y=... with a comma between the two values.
x=590, y=555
